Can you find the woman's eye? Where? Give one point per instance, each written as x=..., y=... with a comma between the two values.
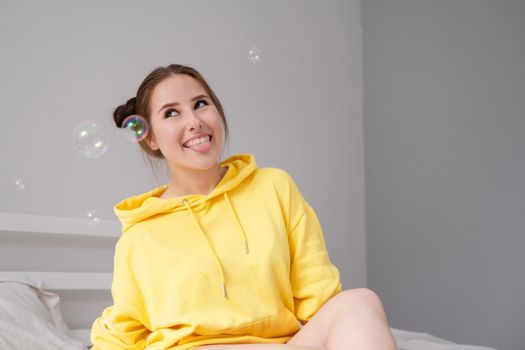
x=201, y=101
x=169, y=113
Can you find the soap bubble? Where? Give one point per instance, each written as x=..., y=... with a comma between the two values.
x=254, y=54
x=136, y=127
x=90, y=139
x=93, y=217
x=20, y=185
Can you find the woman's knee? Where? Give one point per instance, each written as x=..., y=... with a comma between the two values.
x=359, y=298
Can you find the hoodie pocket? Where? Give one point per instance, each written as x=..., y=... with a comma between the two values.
x=282, y=324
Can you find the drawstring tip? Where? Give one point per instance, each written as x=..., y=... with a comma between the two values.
x=246, y=247
x=224, y=290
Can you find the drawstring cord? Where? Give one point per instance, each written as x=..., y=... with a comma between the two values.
x=217, y=262
x=241, y=230
x=244, y=239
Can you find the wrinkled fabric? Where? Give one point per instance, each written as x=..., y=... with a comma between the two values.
x=407, y=340
x=30, y=318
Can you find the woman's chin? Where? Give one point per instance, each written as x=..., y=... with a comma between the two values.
x=203, y=162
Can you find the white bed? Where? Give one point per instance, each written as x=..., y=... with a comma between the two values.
x=55, y=278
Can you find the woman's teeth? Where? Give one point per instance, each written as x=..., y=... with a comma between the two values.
x=198, y=141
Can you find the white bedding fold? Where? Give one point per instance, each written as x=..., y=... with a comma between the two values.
x=30, y=318
x=407, y=340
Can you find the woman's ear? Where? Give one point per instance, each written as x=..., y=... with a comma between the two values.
x=152, y=143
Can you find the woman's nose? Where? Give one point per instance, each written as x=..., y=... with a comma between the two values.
x=194, y=121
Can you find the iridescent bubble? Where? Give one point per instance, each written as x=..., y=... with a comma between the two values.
x=136, y=127
x=93, y=217
x=254, y=54
x=20, y=185
x=90, y=139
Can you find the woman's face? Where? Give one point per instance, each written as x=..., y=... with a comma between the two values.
x=186, y=125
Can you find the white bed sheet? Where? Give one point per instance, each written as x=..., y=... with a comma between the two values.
x=407, y=340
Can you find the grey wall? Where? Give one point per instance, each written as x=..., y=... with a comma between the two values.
x=444, y=129
x=300, y=108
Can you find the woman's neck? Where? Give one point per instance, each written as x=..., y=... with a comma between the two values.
x=191, y=181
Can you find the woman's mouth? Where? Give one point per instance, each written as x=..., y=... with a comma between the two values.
x=199, y=144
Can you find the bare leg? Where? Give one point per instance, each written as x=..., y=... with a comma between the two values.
x=256, y=347
x=353, y=319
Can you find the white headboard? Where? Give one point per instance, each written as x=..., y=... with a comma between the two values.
x=68, y=256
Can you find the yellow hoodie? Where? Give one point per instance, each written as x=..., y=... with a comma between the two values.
x=242, y=264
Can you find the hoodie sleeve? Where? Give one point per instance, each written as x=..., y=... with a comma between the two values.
x=120, y=326
x=313, y=277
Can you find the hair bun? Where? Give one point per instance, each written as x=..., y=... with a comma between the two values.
x=124, y=111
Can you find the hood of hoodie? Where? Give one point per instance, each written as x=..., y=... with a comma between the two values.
x=141, y=207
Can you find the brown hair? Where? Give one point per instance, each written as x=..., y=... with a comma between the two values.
x=141, y=103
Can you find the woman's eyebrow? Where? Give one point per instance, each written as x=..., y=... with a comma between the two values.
x=176, y=103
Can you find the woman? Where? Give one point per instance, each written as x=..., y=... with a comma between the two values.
x=226, y=253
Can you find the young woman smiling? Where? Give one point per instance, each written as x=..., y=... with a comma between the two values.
x=227, y=255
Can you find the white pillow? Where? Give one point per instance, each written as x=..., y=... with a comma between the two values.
x=30, y=318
